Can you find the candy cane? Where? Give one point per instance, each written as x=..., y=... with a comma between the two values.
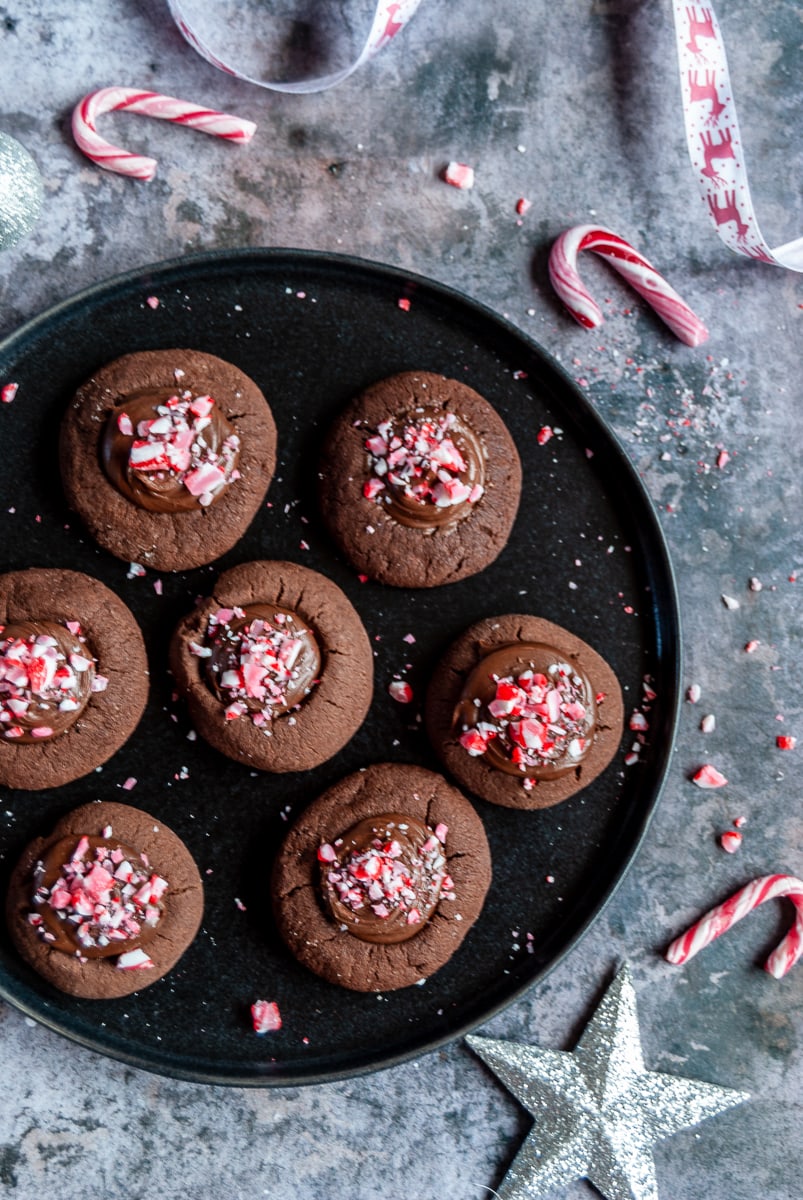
x=151, y=104
x=638, y=272
x=720, y=919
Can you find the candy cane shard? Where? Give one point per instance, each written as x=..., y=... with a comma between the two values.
x=150, y=104
x=634, y=267
x=718, y=920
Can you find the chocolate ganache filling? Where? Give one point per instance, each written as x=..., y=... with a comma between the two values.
x=261, y=662
x=47, y=676
x=427, y=469
x=169, y=452
x=382, y=880
x=95, y=897
x=527, y=712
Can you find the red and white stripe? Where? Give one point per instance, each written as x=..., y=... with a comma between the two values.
x=633, y=266
x=721, y=918
x=149, y=104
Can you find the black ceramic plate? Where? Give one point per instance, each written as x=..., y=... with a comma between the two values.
x=586, y=552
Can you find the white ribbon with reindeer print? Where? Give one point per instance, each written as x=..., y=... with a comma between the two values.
x=714, y=141
x=212, y=27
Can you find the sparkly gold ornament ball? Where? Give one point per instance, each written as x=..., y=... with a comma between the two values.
x=20, y=192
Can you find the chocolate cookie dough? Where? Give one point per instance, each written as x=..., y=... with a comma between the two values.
x=420, y=481
x=167, y=456
x=523, y=713
x=73, y=676
x=276, y=667
x=380, y=880
x=107, y=904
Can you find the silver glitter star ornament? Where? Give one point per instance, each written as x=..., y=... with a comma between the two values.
x=20, y=192
x=598, y=1110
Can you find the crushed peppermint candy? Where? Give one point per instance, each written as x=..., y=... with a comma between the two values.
x=730, y=841
x=400, y=691
x=262, y=663
x=385, y=876
x=418, y=459
x=535, y=719
x=173, y=442
x=709, y=777
x=134, y=960
x=459, y=175
x=46, y=678
x=785, y=741
x=101, y=900
x=265, y=1016
x=8, y=391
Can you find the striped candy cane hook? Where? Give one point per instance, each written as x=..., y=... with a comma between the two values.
x=150, y=104
x=634, y=267
x=718, y=920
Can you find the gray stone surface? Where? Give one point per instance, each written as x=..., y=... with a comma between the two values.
x=576, y=107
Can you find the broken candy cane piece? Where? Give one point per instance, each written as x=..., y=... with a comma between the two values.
x=459, y=175
x=638, y=272
x=150, y=104
x=731, y=840
x=134, y=960
x=719, y=919
x=265, y=1016
x=709, y=777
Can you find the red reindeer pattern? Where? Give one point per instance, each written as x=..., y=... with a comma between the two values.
x=707, y=90
x=699, y=27
x=392, y=27
x=713, y=150
x=729, y=211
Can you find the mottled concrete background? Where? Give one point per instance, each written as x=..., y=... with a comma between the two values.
x=575, y=106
